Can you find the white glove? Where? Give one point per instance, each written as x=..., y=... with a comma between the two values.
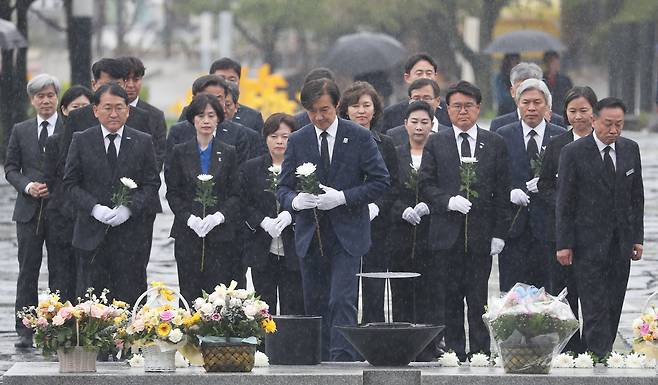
x=373, y=211
x=330, y=199
x=411, y=216
x=421, y=209
x=518, y=197
x=282, y=221
x=459, y=203
x=210, y=222
x=121, y=214
x=102, y=213
x=269, y=225
x=531, y=185
x=194, y=223
x=304, y=201
x=497, y=245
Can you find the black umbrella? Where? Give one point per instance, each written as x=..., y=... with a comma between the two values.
x=10, y=38
x=524, y=40
x=365, y=52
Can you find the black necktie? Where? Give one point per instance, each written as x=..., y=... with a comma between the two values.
x=466, y=146
x=608, y=165
x=532, y=149
x=324, y=154
x=112, y=152
x=43, y=135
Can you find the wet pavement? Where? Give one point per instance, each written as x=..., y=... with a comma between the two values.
x=643, y=280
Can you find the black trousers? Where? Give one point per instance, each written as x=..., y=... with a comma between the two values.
x=525, y=259
x=30, y=254
x=275, y=275
x=146, y=236
x=62, y=262
x=218, y=263
x=561, y=277
x=601, y=274
x=467, y=275
x=116, y=264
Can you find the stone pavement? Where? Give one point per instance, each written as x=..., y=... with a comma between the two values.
x=643, y=280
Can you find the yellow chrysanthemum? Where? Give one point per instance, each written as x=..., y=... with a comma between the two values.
x=269, y=326
x=119, y=304
x=164, y=329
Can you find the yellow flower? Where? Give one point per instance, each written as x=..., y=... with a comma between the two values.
x=118, y=320
x=164, y=329
x=178, y=320
x=269, y=326
x=119, y=304
x=648, y=337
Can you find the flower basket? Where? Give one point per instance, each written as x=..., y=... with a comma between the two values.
x=77, y=360
x=228, y=357
x=527, y=358
x=645, y=330
x=159, y=355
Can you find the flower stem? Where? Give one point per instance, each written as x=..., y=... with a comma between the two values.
x=466, y=226
x=317, y=231
x=107, y=229
x=203, y=242
x=518, y=211
x=39, y=217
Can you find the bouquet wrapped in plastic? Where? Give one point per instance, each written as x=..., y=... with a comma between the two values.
x=645, y=329
x=529, y=327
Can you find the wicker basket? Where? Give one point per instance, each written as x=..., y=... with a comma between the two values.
x=228, y=357
x=77, y=360
x=156, y=360
x=527, y=359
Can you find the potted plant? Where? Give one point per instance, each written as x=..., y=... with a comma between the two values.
x=159, y=328
x=232, y=323
x=77, y=332
x=529, y=327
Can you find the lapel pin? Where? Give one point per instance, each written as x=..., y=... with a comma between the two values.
x=127, y=138
x=345, y=140
x=224, y=129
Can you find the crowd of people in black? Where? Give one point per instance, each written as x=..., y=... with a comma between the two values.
x=558, y=198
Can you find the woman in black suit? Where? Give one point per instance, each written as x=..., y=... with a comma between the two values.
x=60, y=213
x=270, y=243
x=204, y=155
x=361, y=104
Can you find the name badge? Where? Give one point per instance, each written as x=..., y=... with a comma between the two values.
x=629, y=172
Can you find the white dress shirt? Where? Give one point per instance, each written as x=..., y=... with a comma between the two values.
x=117, y=140
x=51, y=124
x=331, y=137
x=539, y=138
x=435, y=125
x=601, y=146
x=415, y=160
x=472, y=138
x=134, y=102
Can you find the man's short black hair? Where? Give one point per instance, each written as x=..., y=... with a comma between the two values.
x=313, y=90
x=111, y=88
x=423, y=82
x=414, y=59
x=609, y=102
x=319, y=73
x=418, y=105
x=135, y=66
x=226, y=63
x=198, y=106
x=466, y=88
x=206, y=81
x=117, y=69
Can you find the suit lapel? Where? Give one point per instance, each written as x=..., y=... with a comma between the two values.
x=621, y=163
x=597, y=162
x=480, y=144
x=192, y=159
x=519, y=142
x=59, y=125
x=405, y=161
x=125, y=149
x=98, y=147
x=216, y=160
x=340, y=146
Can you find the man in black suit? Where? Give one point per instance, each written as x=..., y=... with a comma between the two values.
x=518, y=74
x=231, y=71
x=528, y=254
x=316, y=73
x=428, y=91
x=106, y=233
x=466, y=230
x=420, y=65
x=24, y=170
x=600, y=220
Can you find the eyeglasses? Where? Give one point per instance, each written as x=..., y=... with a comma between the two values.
x=426, y=99
x=458, y=107
x=117, y=109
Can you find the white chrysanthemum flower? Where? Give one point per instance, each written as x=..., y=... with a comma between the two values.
x=413, y=166
x=136, y=361
x=584, y=360
x=449, y=359
x=181, y=362
x=175, y=336
x=274, y=169
x=616, y=360
x=128, y=183
x=305, y=169
x=204, y=177
x=563, y=361
x=469, y=159
x=480, y=359
x=261, y=359
x=635, y=360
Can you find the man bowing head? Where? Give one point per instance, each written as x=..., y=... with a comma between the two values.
x=332, y=228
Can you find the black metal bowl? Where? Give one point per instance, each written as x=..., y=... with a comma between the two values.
x=390, y=344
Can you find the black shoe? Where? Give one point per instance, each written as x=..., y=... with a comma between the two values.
x=24, y=342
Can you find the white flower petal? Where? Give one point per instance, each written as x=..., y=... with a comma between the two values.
x=204, y=177
x=449, y=359
x=128, y=183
